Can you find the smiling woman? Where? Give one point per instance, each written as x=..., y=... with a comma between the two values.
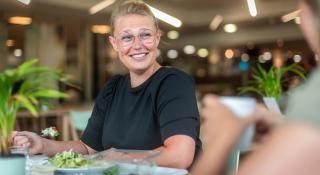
x=135, y=36
x=151, y=108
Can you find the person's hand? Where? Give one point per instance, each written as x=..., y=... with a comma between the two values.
x=29, y=139
x=265, y=123
x=219, y=120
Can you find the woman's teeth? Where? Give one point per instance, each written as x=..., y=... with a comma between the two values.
x=138, y=55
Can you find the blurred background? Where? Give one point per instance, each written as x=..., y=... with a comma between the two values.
x=216, y=41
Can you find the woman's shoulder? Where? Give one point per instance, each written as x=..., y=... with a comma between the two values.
x=172, y=78
x=114, y=80
x=111, y=85
x=173, y=73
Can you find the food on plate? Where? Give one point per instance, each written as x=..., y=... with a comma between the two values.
x=68, y=159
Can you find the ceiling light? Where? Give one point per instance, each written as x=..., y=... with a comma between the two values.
x=172, y=54
x=165, y=17
x=267, y=56
x=261, y=59
x=252, y=7
x=26, y=2
x=215, y=23
x=173, y=34
x=245, y=57
x=17, y=52
x=297, y=58
x=229, y=53
x=10, y=43
x=230, y=28
x=214, y=56
x=290, y=16
x=20, y=20
x=100, y=29
x=189, y=49
x=101, y=5
x=203, y=52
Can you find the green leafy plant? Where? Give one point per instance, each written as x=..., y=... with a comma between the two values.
x=114, y=170
x=36, y=86
x=268, y=83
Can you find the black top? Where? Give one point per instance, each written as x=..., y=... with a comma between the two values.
x=145, y=116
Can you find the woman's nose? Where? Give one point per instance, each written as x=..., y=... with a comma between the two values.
x=137, y=44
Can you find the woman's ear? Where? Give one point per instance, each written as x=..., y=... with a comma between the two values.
x=112, y=40
x=158, y=37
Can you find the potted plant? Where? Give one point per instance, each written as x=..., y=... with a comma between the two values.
x=269, y=83
x=27, y=87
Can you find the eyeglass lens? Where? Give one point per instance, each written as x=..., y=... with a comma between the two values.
x=145, y=36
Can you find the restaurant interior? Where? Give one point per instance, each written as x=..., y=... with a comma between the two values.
x=218, y=42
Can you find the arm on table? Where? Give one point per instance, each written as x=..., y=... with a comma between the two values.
x=178, y=152
x=37, y=144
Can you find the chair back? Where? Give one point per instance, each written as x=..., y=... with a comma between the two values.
x=80, y=119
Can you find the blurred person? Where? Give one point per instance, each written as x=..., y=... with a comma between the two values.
x=284, y=147
x=291, y=147
x=222, y=130
x=304, y=101
x=151, y=108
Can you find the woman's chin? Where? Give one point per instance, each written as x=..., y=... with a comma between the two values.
x=139, y=66
x=139, y=69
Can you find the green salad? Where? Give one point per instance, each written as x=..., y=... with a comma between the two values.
x=114, y=170
x=68, y=159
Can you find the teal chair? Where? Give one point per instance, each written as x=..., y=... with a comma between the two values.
x=78, y=123
x=233, y=163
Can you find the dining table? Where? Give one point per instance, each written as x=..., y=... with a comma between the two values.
x=38, y=165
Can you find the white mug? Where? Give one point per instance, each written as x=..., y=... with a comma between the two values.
x=242, y=107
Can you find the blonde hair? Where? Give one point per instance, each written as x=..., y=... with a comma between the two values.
x=137, y=7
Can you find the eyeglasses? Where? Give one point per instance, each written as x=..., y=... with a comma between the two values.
x=145, y=36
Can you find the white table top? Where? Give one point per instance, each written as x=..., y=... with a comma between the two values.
x=38, y=165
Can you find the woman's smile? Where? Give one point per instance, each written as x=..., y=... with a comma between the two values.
x=142, y=56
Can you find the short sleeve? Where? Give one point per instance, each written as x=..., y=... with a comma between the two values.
x=177, y=107
x=92, y=135
x=303, y=102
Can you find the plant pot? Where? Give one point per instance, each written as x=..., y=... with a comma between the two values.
x=14, y=164
x=272, y=104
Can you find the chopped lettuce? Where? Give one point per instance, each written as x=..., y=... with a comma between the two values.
x=114, y=170
x=68, y=159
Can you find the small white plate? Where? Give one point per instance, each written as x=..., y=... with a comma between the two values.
x=80, y=171
x=126, y=169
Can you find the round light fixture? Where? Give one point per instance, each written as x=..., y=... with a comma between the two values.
x=230, y=28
